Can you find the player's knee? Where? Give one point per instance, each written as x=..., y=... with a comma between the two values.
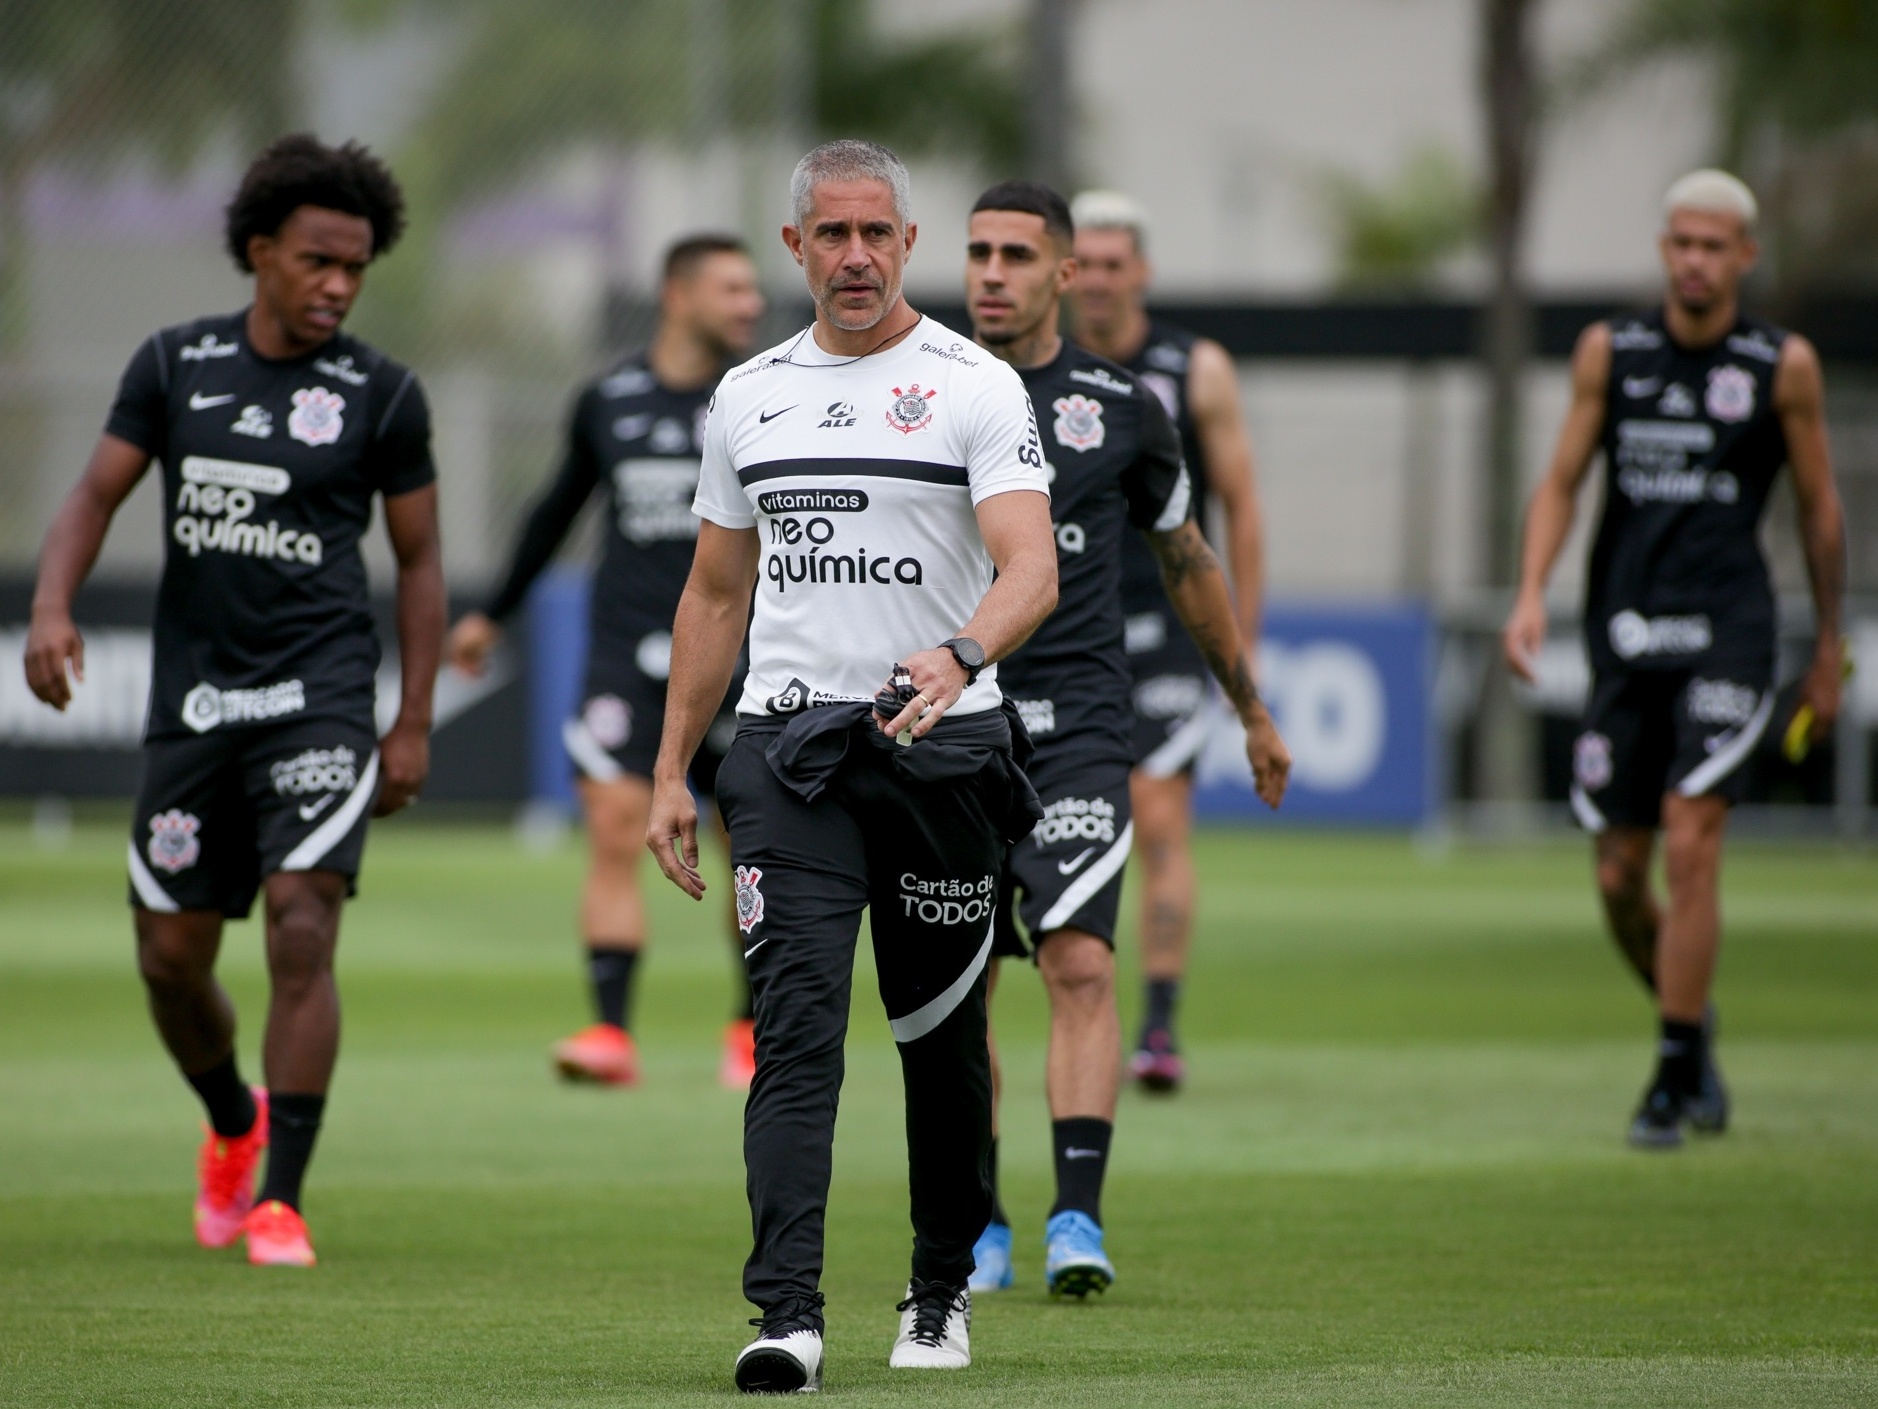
x=1078, y=968
x=1622, y=882
x=168, y=967
x=302, y=932
x=1691, y=855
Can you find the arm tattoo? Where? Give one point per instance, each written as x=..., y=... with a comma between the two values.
x=1183, y=555
x=1186, y=563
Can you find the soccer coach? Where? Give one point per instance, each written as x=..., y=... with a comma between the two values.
x=878, y=484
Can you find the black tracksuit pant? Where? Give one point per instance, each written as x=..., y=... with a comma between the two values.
x=923, y=856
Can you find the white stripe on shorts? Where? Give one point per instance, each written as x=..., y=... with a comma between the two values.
x=1730, y=755
x=326, y=836
x=1586, y=811
x=587, y=754
x=152, y=895
x=1182, y=747
x=1087, y=884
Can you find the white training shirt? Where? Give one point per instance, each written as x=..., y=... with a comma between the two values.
x=860, y=476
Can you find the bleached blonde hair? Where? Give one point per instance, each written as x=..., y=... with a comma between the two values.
x=1715, y=192
x=1111, y=210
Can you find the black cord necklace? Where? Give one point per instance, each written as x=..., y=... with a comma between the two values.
x=786, y=357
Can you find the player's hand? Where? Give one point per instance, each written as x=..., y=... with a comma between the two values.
x=1266, y=752
x=403, y=764
x=940, y=679
x=1820, y=691
x=471, y=641
x=51, y=641
x=1524, y=635
x=672, y=835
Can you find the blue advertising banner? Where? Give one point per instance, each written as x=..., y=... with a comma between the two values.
x=557, y=661
x=1351, y=689
x=1349, y=686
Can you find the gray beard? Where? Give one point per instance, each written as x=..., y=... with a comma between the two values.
x=825, y=301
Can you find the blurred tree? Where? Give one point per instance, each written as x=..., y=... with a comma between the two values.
x=1394, y=235
x=536, y=76
x=1797, y=113
x=96, y=80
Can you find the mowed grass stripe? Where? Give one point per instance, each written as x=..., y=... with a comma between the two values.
x=1396, y=1178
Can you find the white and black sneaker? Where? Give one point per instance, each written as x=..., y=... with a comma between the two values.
x=786, y=1356
x=935, y=1328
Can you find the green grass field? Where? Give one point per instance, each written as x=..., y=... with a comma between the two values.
x=1397, y=1177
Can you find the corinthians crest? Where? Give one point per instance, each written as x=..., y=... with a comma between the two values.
x=1730, y=394
x=1079, y=422
x=316, y=419
x=909, y=411
x=749, y=898
x=173, y=844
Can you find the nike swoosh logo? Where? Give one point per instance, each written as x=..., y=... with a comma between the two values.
x=1642, y=386
x=761, y=942
x=1069, y=867
x=765, y=418
x=199, y=402
x=1074, y=1153
x=310, y=810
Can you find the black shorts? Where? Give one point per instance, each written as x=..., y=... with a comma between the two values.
x=622, y=714
x=1172, y=693
x=1647, y=733
x=218, y=812
x=1068, y=872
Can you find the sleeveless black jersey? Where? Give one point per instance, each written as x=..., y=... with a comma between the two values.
x=642, y=442
x=1162, y=365
x=1692, y=444
x=1113, y=460
x=269, y=469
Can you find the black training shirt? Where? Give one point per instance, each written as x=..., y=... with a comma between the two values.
x=1162, y=365
x=1113, y=460
x=642, y=441
x=1692, y=444
x=269, y=469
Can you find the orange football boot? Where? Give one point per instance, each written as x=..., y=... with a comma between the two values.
x=277, y=1237
x=738, y=1069
x=225, y=1179
x=601, y=1053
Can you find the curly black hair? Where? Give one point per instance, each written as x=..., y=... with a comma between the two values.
x=300, y=170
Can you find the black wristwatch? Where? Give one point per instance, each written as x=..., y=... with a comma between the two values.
x=970, y=656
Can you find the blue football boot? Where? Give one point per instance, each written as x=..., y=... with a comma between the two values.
x=1074, y=1263
x=992, y=1254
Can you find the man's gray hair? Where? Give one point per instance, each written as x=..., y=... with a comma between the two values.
x=850, y=160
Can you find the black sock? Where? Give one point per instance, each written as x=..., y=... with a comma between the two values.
x=998, y=1215
x=293, y=1124
x=226, y=1096
x=611, y=973
x=1082, y=1157
x=1679, y=1057
x=1163, y=997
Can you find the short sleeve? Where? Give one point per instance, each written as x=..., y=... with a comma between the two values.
x=140, y=414
x=1003, y=450
x=400, y=456
x=1156, y=485
x=720, y=498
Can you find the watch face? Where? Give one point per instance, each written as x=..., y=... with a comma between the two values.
x=970, y=654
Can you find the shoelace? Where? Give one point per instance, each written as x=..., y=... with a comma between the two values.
x=933, y=1304
x=790, y=1314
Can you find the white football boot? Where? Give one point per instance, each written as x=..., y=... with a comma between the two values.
x=935, y=1328
x=786, y=1356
